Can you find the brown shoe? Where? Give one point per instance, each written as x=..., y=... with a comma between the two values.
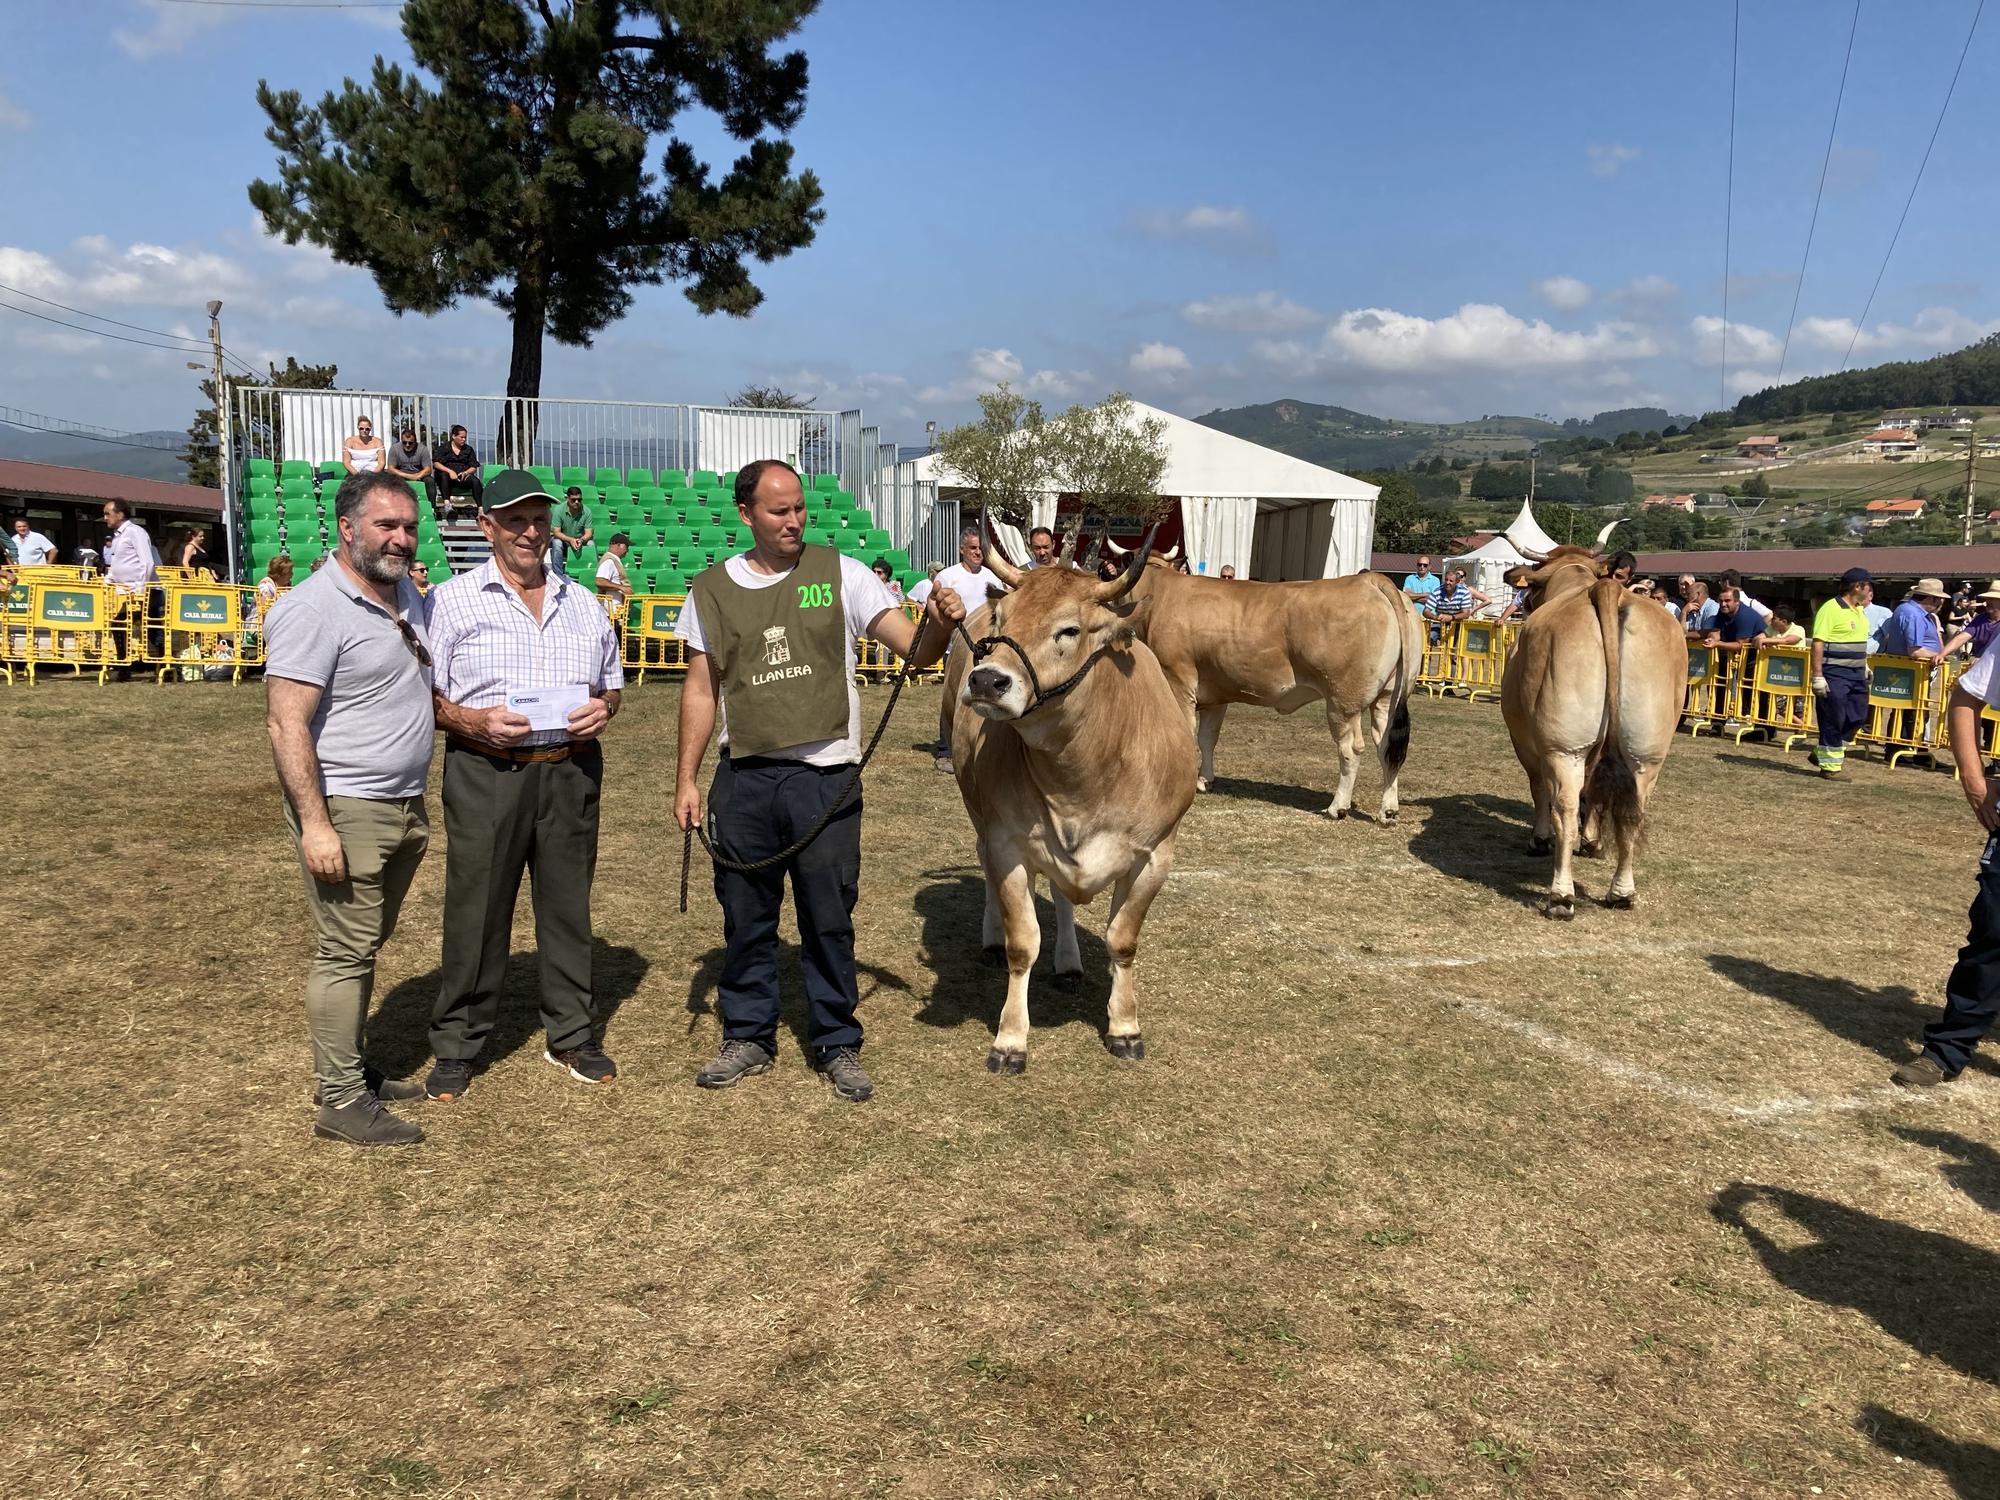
x=1921, y=1072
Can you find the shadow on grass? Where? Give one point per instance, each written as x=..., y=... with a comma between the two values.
x=1298, y=798
x=1972, y=1469
x=399, y=1040
x=969, y=987
x=1483, y=840
x=1975, y=1170
x=792, y=1011
x=1939, y=1295
x=1784, y=766
x=1887, y=1019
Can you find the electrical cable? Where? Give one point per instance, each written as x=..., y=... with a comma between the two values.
x=28, y=312
x=1826, y=161
x=1729, y=203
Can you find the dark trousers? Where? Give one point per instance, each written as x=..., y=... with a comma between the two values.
x=442, y=487
x=755, y=809
x=1844, y=709
x=500, y=819
x=1972, y=993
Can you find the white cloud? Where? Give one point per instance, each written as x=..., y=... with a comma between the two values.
x=1647, y=291
x=12, y=116
x=1934, y=329
x=1158, y=359
x=1564, y=293
x=1610, y=160
x=986, y=368
x=1747, y=342
x=995, y=365
x=144, y=275
x=1260, y=312
x=170, y=27
x=1479, y=336
x=1206, y=222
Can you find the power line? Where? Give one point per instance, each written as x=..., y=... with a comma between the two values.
x=29, y=421
x=1800, y=285
x=29, y=312
x=99, y=317
x=294, y=4
x=1862, y=322
x=1729, y=202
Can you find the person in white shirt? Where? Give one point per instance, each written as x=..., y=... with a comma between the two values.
x=921, y=590
x=611, y=579
x=974, y=583
x=364, y=453
x=31, y=548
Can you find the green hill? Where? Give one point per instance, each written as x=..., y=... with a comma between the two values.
x=1341, y=438
x=1965, y=377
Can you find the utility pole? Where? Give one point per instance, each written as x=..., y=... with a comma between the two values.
x=225, y=481
x=1971, y=447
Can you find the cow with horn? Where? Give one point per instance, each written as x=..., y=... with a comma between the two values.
x=1592, y=696
x=1354, y=642
x=1073, y=759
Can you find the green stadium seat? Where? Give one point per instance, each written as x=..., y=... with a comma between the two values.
x=544, y=472
x=651, y=499
x=637, y=479
x=617, y=494
x=333, y=469
x=898, y=560
x=256, y=468
x=818, y=536
x=728, y=481
x=910, y=578
x=704, y=479
x=602, y=477
x=708, y=538
x=571, y=474
x=849, y=542
x=669, y=582
x=676, y=536
x=826, y=482
x=294, y=471
x=673, y=479
x=876, y=541
x=583, y=564
x=261, y=505
x=855, y=520
x=263, y=529
x=261, y=484
x=489, y=472
x=841, y=500
x=261, y=554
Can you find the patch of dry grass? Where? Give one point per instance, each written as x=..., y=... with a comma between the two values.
x=1615, y=1208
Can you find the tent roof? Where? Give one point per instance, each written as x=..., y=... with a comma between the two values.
x=1203, y=461
x=1494, y=546
x=1526, y=533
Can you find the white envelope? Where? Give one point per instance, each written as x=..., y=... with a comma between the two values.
x=549, y=708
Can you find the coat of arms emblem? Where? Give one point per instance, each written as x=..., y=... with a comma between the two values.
x=777, y=650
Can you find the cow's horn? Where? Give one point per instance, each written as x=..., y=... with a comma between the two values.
x=1605, y=535
x=1173, y=553
x=1003, y=566
x=1120, y=586
x=1533, y=556
x=1116, y=550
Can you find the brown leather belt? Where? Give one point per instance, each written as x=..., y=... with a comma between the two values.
x=539, y=755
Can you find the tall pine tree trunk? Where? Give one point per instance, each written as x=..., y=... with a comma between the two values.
x=524, y=377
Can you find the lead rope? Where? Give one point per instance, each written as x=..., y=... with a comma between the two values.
x=688, y=835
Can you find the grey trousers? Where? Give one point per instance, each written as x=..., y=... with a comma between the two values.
x=383, y=843
x=502, y=819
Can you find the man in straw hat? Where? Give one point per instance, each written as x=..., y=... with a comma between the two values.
x=1979, y=631
x=1840, y=668
x=1913, y=626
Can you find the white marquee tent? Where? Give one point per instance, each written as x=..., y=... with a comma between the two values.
x=1486, y=565
x=1265, y=513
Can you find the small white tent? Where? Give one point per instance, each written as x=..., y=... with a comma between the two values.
x=1264, y=513
x=1486, y=570
x=1527, y=535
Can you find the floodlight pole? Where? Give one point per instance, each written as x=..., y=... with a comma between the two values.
x=224, y=480
x=1971, y=448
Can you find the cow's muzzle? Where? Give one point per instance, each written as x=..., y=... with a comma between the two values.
x=990, y=691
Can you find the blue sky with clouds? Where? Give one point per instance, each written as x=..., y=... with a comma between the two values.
x=1428, y=210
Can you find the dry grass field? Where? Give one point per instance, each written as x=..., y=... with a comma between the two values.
x=1416, y=1194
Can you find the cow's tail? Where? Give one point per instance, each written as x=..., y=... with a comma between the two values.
x=1614, y=784
x=1396, y=743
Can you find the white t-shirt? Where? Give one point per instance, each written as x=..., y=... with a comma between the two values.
x=973, y=588
x=919, y=592
x=611, y=570
x=863, y=600
x=34, y=549
x=1979, y=680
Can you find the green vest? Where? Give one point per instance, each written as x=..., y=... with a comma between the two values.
x=779, y=654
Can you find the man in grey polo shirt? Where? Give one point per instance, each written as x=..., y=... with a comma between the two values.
x=348, y=679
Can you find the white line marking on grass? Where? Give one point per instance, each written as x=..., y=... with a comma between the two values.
x=1791, y=1108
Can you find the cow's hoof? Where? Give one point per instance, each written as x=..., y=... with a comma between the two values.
x=998, y=1061
x=1131, y=1048
x=1591, y=850
x=1338, y=814
x=1201, y=784
x=1622, y=903
x=994, y=955
x=1559, y=911
x=1388, y=816
x=1540, y=846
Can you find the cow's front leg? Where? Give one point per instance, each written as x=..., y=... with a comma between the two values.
x=1207, y=731
x=992, y=932
x=1069, y=962
x=1016, y=892
x=1130, y=899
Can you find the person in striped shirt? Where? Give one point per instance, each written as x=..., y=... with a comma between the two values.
x=1455, y=599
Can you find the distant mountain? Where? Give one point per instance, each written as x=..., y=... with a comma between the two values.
x=73, y=452
x=1341, y=438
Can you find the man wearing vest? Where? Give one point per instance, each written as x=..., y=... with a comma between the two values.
x=770, y=636
x=1840, y=669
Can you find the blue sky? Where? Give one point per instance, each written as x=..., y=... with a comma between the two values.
x=1431, y=210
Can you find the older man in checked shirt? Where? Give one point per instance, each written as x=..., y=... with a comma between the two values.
x=518, y=798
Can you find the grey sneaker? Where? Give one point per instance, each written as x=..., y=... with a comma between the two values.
x=1921, y=1072
x=842, y=1068
x=364, y=1123
x=944, y=764
x=388, y=1090
x=736, y=1061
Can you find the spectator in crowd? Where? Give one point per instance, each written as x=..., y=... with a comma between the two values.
x=407, y=461
x=1982, y=627
x=1732, y=579
x=1041, y=547
x=1228, y=573
x=1421, y=586
x=348, y=683
x=1622, y=566
x=922, y=590
x=1840, y=670
x=454, y=471
x=1878, y=619
x=420, y=575
x=30, y=548
x=276, y=580
x=1972, y=991
x=1913, y=628
x=363, y=452
x=1959, y=612
x=881, y=569
x=1736, y=624
x=1454, y=600
x=612, y=580
x=1781, y=629
x=1516, y=607
x=194, y=551
x=1683, y=591
x=1698, y=611
x=791, y=741
x=318, y=562
x=973, y=583
x=129, y=558
x=571, y=529
x=520, y=794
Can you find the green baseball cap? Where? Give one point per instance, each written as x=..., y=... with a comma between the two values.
x=511, y=487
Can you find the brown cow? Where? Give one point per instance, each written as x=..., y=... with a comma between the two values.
x=1353, y=641
x=1075, y=764
x=1592, y=695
